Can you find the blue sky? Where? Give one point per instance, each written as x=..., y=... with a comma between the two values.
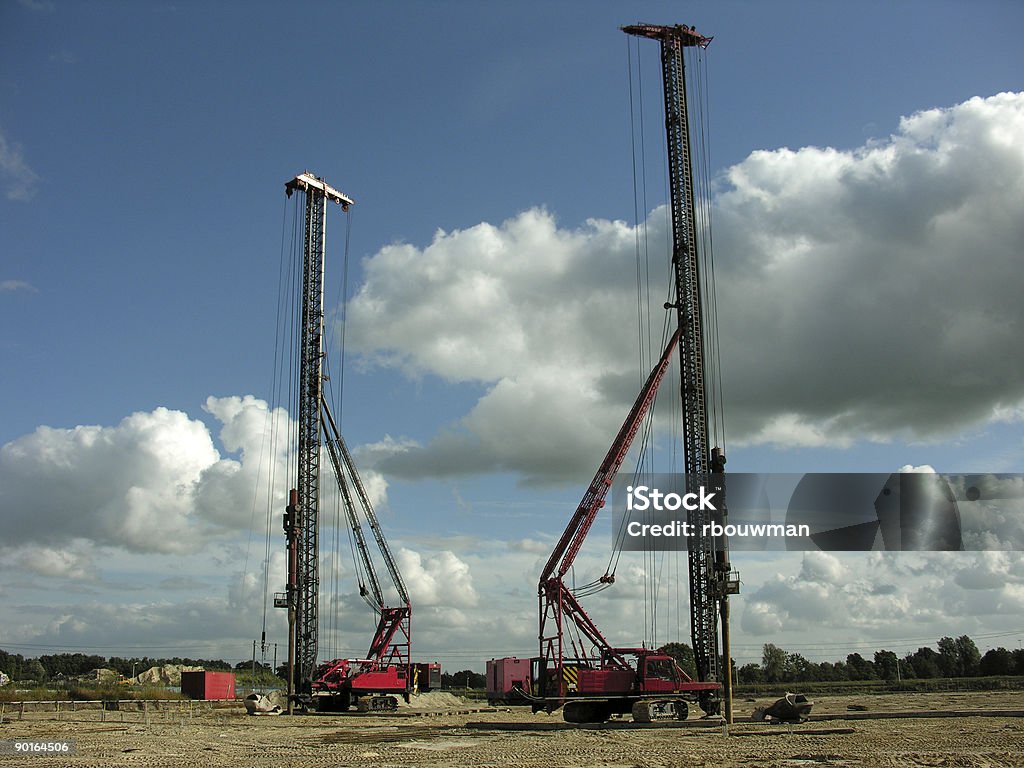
x=868, y=183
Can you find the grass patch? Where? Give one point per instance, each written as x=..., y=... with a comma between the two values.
x=90, y=692
x=928, y=685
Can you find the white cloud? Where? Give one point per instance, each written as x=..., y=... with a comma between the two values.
x=21, y=181
x=822, y=567
x=9, y=286
x=440, y=580
x=865, y=294
x=531, y=546
x=129, y=485
x=525, y=308
x=74, y=562
x=158, y=494
x=898, y=599
x=153, y=483
x=874, y=291
x=791, y=430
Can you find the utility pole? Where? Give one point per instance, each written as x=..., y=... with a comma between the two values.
x=301, y=519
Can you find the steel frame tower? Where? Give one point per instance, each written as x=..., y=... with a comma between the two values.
x=711, y=580
x=302, y=516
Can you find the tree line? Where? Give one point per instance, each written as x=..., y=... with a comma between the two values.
x=53, y=667
x=954, y=657
x=50, y=667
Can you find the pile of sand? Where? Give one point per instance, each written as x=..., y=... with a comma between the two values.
x=435, y=700
x=100, y=676
x=169, y=674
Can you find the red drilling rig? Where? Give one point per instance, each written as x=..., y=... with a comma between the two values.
x=596, y=682
x=386, y=670
x=578, y=669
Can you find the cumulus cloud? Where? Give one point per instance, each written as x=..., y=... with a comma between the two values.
x=865, y=294
x=537, y=314
x=74, y=563
x=441, y=579
x=93, y=503
x=155, y=482
x=890, y=595
x=874, y=291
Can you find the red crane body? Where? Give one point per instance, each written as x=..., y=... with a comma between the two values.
x=594, y=685
x=387, y=668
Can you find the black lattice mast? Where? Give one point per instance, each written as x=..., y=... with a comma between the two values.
x=303, y=513
x=708, y=558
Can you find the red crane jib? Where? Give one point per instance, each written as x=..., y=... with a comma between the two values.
x=572, y=539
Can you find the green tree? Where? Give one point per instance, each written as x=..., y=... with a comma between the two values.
x=799, y=669
x=33, y=670
x=1018, y=662
x=949, y=658
x=12, y=664
x=829, y=671
x=750, y=673
x=860, y=668
x=959, y=657
x=970, y=656
x=925, y=663
x=996, y=661
x=683, y=654
x=465, y=678
x=886, y=665
x=773, y=662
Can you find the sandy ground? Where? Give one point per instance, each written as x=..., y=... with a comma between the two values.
x=438, y=736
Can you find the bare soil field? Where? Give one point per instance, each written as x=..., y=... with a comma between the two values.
x=450, y=734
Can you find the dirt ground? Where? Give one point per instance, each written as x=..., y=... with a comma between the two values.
x=445, y=736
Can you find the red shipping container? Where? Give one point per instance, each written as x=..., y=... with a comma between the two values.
x=505, y=676
x=208, y=685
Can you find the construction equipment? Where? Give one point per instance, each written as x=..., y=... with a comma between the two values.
x=712, y=578
x=577, y=668
x=386, y=670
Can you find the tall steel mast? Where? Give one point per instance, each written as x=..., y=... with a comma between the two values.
x=301, y=520
x=711, y=579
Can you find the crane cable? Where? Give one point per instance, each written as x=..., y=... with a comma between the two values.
x=271, y=438
x=704, y=209
x=697, y=75
x=337, y=400
x=644, y=323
